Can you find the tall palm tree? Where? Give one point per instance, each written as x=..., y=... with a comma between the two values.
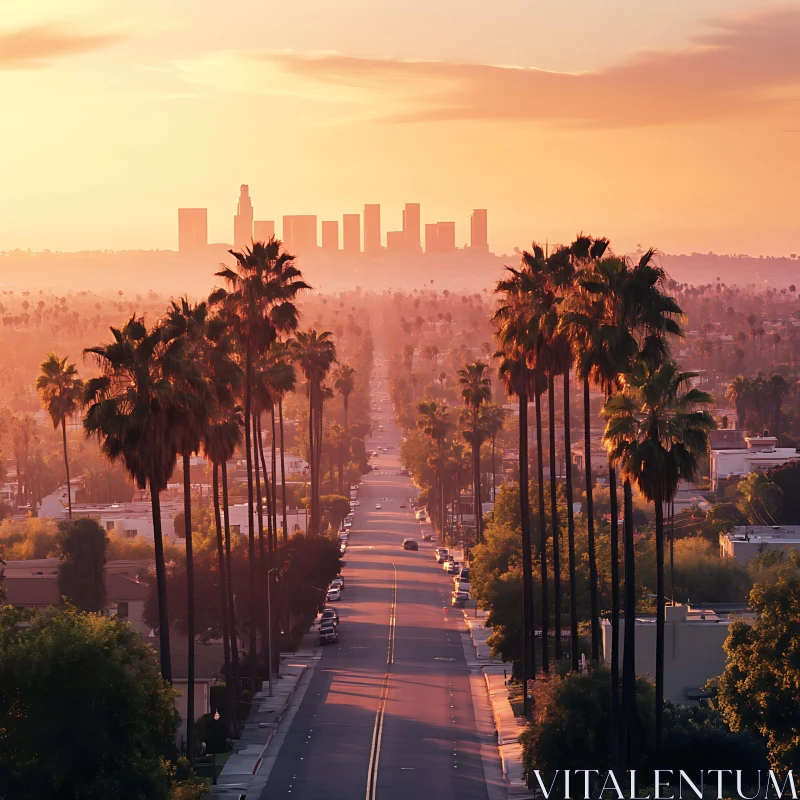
x=434, y=422
x=61, y=392
x=656, y=432
x=476, y=390
x=344, y=383
x=314, y=353
x=132, y=409
x=493, y=416
x=262, y=289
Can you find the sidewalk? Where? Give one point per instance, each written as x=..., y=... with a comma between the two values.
x=508, y=726
x=265, y=716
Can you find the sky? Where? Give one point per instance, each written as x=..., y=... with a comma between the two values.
x=669, y=123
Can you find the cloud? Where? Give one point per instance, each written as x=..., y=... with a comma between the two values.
x=32, y=47
x=742, y=68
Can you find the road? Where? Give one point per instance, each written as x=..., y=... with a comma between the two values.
x=388, y=712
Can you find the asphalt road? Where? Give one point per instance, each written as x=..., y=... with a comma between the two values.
x=388, y=712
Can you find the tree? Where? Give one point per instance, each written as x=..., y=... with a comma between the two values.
x=82, y=546
x=434, y=422
x=103, y=725
x=760, y=500
x=656, y=432
x=344, y=383
x=758, y=690
x=132, y=410
x=61, y=392
x=492, y=417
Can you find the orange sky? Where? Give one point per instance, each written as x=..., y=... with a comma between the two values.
x=673, y=124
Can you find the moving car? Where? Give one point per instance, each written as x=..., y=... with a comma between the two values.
x=421, y=514
x=410, y=544
x=441, y=554
x=327, y=633
x=333, y=595
x=378, y=506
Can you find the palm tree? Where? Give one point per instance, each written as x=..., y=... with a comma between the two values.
x=132, y=410
x=739, y=392
x=656, y=432
x=492, y=418
x=314, y=353
x=344, y=383
x=434, y=422
x=476, y=389
x=61, y=392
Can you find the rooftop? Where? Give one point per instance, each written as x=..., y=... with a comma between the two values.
x=42, y=591
x=774, y=534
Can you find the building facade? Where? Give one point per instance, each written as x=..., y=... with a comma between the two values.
x=192, y=230
x=243, y=220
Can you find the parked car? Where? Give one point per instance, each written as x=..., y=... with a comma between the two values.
x=337, y=583
x=334, y=595
x=410, y=544
x=463, y=576
x=451, y=567
x=459, y=599
x=327, y=634
x=441, y=554
x=329, y=614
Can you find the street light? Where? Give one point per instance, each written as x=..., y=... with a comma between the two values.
x=269, y=632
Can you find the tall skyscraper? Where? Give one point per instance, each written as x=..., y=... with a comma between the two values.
x=446, y=237
x=192, y=230
x=411, y=226
x=243, y=221
x=330, y=236
x=431, y=237
x=263, y=230
x=351, y=233
x=372, y=228
x=395, y=241
x=479, y=237
x=300, y=233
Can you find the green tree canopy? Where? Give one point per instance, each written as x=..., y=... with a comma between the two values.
x=82, y=546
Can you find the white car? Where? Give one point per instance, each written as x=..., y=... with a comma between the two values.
x=378, y=506
x=334, y=594
x=337, y=583
x=348, y=523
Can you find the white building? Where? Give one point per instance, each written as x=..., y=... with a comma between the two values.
x=760, y=455
x=296, y=519
x=746, y=541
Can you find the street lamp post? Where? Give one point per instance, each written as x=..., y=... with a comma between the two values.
x=269, y=631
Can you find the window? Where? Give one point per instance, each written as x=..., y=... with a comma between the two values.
x=130, y=533
x=122, y=610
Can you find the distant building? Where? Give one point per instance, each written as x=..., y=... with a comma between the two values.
x=431, y=238
x=192, y=230
x=395, y=241
x=372, y=228
x=446, y=237
x=296, y=519
x=411, y=227
x=727, y=439
x=243, y=220
x=351, y=233
x=300, y=233
x=479, y=239
x=263, y=230
x=330, y=236
x=760, y=455
x=746, y=541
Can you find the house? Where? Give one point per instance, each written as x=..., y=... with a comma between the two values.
x=125, y=597
x=760, y=454
x=296, y=519
x=693, y=648
x=746, y=541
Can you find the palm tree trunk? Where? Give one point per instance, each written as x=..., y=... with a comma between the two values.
x=528, y=639
x=66, y=465
x=311, y=457
x=672, y=551
x=223, y=598
x=283, y=477
x=551, y=413
x=231, y=604
x=161, y=587
x=190, y=635
x=271, y=536
x=273, y=480
x=615, y=720
x=594, y=603
x=660, y=626
x=629, y=715
x=542, y=536
x=251, y=533
x=318, y=488
x=573, y=584
x=346, y=399
x=494, y=471
x=476, y=485
x=263, y=562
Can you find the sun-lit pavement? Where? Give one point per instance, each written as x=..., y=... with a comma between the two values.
x=388, y=711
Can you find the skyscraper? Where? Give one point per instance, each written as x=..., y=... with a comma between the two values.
x=431, y=237
x=263, y=230
x=446, y=237
x=372, y=228
x=287, y=234
x=479, y=239
x=411, y=226
x=351, y=233
x=243, y=221
x=192, y=229
x=330, y=236
x=300, y=233
x=395, y=241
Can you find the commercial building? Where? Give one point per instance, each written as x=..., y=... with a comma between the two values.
x=243, y=220
x=263, y=230
x=372, y=228
x=300, y=233
x=431, y=238
x=446, y=237
x=761, y=454
x=693, y=651
x=395, y=241
x=330, y=236
x=192, y=230
x=411, y=227
x=351, y=234
x=746, y=541
x=479, y=235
